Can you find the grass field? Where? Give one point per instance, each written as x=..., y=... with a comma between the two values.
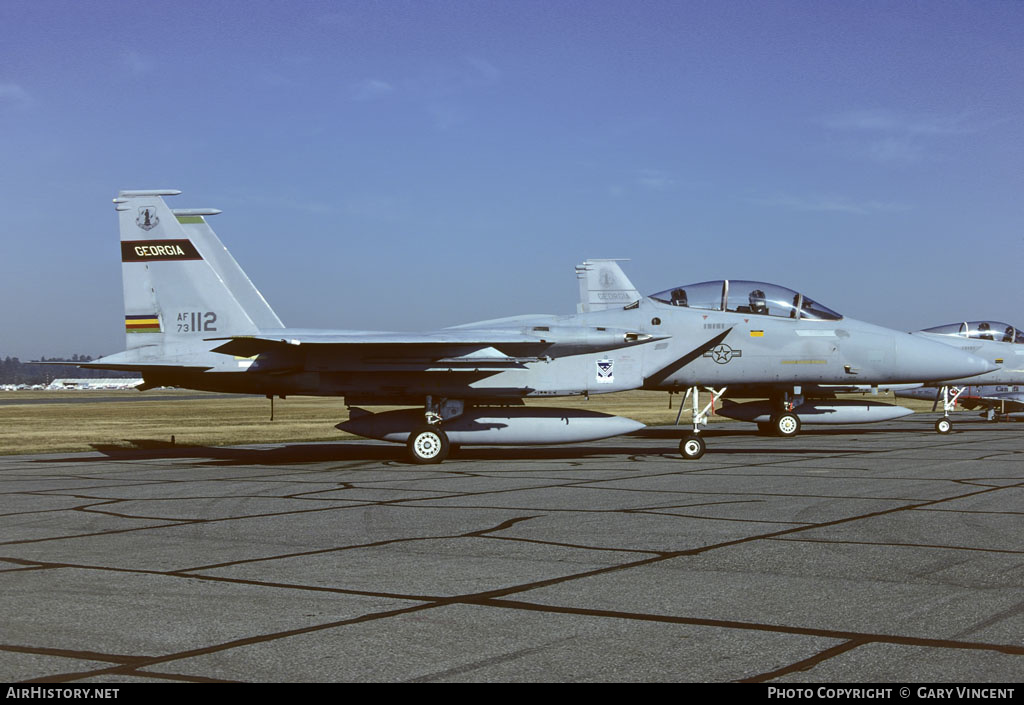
x=68, y=421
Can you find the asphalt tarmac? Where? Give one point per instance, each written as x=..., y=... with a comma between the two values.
x=882, y=553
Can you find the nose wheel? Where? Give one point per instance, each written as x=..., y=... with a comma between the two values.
x=692, y=446
x=949, y=398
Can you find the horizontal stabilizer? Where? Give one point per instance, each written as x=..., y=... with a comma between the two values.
x=142, y=367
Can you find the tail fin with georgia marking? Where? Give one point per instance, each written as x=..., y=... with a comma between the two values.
x=180, y=282
x=603, y=285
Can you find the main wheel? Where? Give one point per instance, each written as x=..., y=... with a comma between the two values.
x=692, y=446
x=786, y=425
x=943, y=425
x=427, y=445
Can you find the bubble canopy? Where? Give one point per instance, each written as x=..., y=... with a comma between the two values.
x=738, y=296
x=981, y=330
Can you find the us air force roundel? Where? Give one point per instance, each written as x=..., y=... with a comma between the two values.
x=722, y=353
x=605, y=371
x=157, y=250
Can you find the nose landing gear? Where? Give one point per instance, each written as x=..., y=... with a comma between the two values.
x=692, y=446
x=949, y=397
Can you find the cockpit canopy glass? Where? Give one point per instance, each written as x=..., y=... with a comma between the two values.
x=981, y=330
x=757, y=298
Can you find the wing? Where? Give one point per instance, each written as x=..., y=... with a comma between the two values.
x=453, y=348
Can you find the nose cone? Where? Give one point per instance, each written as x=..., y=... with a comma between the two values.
x=922, y=360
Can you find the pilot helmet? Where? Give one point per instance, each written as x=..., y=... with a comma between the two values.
x=757, y=300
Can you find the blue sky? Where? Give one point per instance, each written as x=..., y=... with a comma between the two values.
x=411, y=165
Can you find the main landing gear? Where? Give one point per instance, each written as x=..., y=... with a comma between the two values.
x=785, y=424
x=428, y=444
x=784, y=421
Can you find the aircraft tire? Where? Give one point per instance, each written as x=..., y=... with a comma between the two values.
x=692, y=446
x=943, y=425
x=786, y=425
x=427, y=445
x=765, y=429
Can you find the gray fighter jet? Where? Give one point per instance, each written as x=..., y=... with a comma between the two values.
x=765, y=308
x=998, y=392
x=193, y=319
x=997, y=402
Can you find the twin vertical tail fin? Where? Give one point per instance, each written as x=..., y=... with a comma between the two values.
x=180, y=282
x=603, y=285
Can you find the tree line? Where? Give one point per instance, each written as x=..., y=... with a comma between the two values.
x=14, y=371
